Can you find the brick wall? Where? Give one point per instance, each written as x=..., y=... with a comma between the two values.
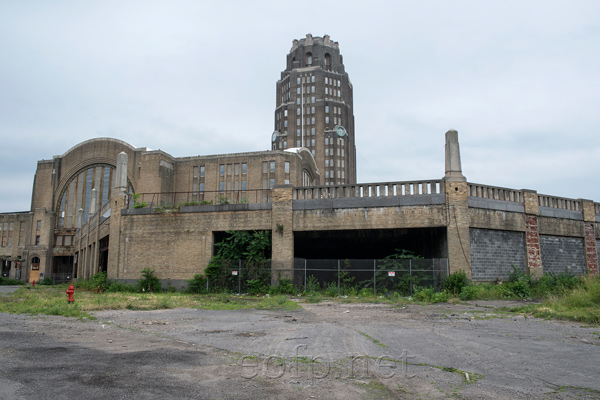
x=562, y=254
x=493, y=252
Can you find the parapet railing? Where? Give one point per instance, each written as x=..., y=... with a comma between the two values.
x=409, y=188
x=178, y=199
x=559, y=202
x=495, y=193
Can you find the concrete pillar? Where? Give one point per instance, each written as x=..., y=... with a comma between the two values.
x=533, y=254
x=282, y=233
x=456, y=188
x=121, y=175
x=589, y=228
x=93, y=203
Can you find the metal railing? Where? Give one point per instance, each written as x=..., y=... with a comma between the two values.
x=409, y=188
x=178, y=199
x=495, y=193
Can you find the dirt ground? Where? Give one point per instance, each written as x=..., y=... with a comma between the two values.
x=328, y=350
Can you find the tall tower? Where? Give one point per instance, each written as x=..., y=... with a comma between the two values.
x=315, y=108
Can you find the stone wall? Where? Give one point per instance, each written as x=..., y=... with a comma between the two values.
x=493, y=252
x=562, y=254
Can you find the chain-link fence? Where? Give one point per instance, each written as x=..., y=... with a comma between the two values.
x=335, y=276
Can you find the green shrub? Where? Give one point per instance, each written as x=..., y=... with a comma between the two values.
x=430, y=295
x=256, y=286
x=197, y=284
x=9, y=281
x=332, y=289
x=366, y=292
x=455, y=283
x=149, y=281
x=312, y=284
x=46, y=281
x=115, y=287
x=284, y=286
x=469, y=292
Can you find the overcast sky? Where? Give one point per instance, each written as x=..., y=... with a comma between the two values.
x=519, y=80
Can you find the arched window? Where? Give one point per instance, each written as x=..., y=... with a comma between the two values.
x=327, y=61
x=306, y=178
x=35, y=263
x=308, y=59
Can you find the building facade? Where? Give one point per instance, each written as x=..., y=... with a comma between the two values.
x=314, y=108
x=77, y=186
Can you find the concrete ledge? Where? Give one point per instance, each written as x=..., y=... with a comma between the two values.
x=500, y=205
x=558, y=213
x=202, y=208
x=367, y=202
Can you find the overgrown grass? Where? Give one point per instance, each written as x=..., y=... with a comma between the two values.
x=52, y=300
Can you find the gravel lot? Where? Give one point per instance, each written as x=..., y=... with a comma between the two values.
x=328, y=350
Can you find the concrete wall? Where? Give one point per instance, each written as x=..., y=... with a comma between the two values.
x=562, y=254
x=494, y=252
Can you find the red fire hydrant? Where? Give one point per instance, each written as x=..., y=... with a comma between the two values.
x=70, y=292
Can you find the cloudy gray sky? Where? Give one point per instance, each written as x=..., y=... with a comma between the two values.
x=519, y=80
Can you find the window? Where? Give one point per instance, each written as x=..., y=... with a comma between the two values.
x=297, y=143
x=312, y=110
x=298, y=100
x=312, y=142
x=221, y=186
x=285, y=113
x=285, y=123
x=326, y=80
x=312, y=99
x=202, y=187
x=298, y=80
x=312, y=78
x=327, y=61
x=298, y=90
x=327, y=109
x=37, y=240
x=222, y=169
x=271, y=183
x=287, y=167
x=312, y=89
x=326, y=141
x=20, y=240
x=38, y=224
x=202, y=171
x=326, y=161
x=243, y=184
x=327, y=119
x=236, y=169
x=297, y=132
x=272, y=166
x=309, y=59
x=298, y=122
x=339, y=93
x=10, y=226
x=312, y=131
x=312, y=120
x=298, y=111
x=326, y=90
x=312, y=152
x=22, y=225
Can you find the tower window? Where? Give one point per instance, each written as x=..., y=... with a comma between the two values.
x=327, y=61
x=308, y=59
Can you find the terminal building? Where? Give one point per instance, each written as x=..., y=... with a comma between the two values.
x=105, y=205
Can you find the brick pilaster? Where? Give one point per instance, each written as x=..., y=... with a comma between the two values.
x=458, y=231
x=589, y=228
x=282, y=233
x=532, y=234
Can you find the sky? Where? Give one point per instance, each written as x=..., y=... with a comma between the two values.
x=519, y=81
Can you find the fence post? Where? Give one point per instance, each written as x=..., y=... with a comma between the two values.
x=338, y=277
x=374, y=278
x=410, y=274
x=305, y=274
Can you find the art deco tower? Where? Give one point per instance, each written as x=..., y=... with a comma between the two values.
x=315, y=108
